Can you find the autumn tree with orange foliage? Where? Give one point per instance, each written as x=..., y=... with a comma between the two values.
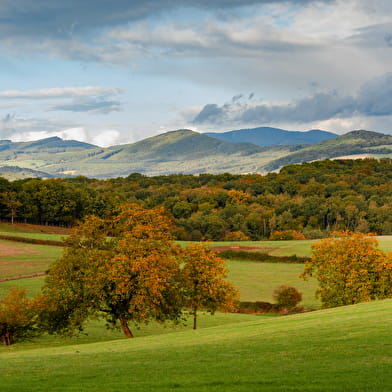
x=18, y=316
x=350, y=269
x=204, y=282
x=125, y=269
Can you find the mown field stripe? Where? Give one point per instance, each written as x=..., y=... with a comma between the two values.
x=344, y=349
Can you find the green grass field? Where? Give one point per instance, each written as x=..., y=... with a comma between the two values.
x=341, y=349
x=295, y=247
x=257, y=281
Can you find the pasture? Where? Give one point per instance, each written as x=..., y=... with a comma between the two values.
x=341, y=349
x=20, y=259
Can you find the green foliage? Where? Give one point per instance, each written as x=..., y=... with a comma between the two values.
x=350, y=269
x=259, y=256
x=313, y=199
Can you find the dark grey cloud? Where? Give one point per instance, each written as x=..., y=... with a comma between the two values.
x=90, y=105
x=373, y=99
x=59, y=18
x=211, y=113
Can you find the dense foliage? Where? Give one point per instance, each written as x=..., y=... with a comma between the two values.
x=18, y=316
x=350, y=269
x=312, y=198
x=128, y=269
x=204, y=282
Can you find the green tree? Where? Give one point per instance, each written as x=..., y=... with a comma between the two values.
x=10, y=200
x=126, y=270
x=350, y=269
x=204, y=283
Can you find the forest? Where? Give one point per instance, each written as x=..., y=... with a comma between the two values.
x=307, y=200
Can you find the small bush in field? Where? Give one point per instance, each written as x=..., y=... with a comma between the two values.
x=287, y=296
x=286, y=235
x=236, y=236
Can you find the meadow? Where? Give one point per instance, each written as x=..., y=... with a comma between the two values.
x=341, y=349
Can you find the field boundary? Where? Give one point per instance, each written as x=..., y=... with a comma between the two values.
x=27, y=240
x=23, y=277
x=241, y=253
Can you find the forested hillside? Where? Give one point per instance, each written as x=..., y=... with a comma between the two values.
x=312, y=198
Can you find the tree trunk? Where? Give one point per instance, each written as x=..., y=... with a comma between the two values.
x=6, y=339
x=125, y=328
x=194, y=318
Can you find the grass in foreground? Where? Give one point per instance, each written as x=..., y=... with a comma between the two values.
x=342, y=349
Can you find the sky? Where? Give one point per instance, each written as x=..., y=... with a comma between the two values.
x=113, y=72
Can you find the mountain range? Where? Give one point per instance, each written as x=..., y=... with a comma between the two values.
x=185, y=151
x=266, y=136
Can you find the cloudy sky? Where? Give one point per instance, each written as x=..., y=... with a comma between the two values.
x=110, y=72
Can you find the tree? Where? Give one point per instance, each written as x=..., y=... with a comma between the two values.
x=18, y=317
x=287, y=296
x=204, y=284
x=125, y=269
x=12, y=203
x=350, y=269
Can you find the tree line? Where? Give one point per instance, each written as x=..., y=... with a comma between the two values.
x=312, y=199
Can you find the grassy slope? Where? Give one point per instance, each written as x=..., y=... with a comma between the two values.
x=342, y=349
x=351, y=143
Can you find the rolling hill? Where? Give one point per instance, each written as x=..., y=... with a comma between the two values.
x=266, y=136
x=353, y=143
x=181, y=151
x=340, y=349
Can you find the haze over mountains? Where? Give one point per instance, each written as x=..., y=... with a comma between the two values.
x=186, y=151
x=267, y=136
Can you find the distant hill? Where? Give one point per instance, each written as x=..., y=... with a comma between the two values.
x=11, y=150
x=15, y=173
x=266, y=136
x=352, y=143
x=181, y=151
x=181, y=144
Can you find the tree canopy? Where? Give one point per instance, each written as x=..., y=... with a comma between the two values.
x=350, y=269
x=204, y=282
x=18, y=316
x=313, y=198
x=124, y=270
x=128, y=269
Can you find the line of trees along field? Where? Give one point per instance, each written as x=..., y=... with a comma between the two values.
x=312, y=198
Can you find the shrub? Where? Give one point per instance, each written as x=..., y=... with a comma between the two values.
x=236, y=236
x=286, y=235
x=287, y=296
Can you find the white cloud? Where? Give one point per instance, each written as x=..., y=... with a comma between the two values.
x=61, y=92
x=102, y=138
